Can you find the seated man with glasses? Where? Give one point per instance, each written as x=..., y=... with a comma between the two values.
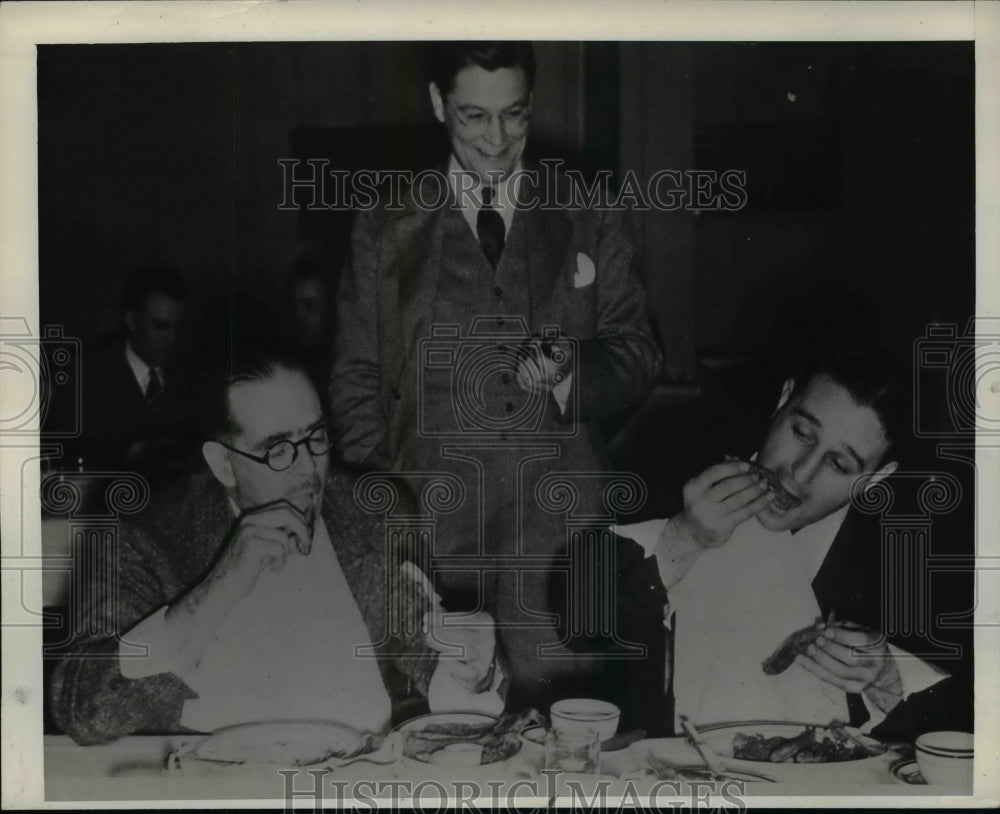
x=251, y=591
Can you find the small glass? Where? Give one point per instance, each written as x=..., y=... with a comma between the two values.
x=575, y=751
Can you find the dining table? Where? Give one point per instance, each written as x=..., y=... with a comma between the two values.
x=146, y=768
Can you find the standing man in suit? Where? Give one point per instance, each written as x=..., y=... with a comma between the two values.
x=136, y=397
x=483, y=335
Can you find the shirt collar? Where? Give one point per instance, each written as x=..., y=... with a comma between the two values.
x=138, y=366
x=472, y=198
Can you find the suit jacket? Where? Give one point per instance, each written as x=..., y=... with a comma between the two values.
x=167, y=550
x=115, y=415
x=386, y=303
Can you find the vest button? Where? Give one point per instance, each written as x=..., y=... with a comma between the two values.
x=396, y=395
x=509, y=407
x=498, y=291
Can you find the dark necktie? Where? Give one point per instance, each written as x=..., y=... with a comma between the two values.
x=154, y=387
x=490, y=228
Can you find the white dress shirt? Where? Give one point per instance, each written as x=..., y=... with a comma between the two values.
x=140, y=369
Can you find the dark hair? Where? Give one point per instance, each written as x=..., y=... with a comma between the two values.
x=144, y=281
x=446, y=59
x=246, y=363
x=875, y=378
x=311, y=267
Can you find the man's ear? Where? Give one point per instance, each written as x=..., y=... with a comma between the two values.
x=786, y=393
x=437, y=102
x=217, y=458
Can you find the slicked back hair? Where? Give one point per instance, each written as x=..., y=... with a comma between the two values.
x=875, y=378
x=248, y=363
x=448, y=58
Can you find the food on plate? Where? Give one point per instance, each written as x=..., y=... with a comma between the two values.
x=289, y=743
x=815, y=744
x=499, y=739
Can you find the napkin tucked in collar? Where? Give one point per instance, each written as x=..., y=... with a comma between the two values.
x=732, y=609
x=286, y=650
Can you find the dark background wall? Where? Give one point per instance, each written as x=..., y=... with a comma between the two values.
x=859, y=160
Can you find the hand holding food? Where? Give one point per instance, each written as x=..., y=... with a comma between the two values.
x=264, y=537
x=856, y=660
x=784, y=657
x=719, y=499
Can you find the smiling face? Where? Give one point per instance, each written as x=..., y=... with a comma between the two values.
x=819, y=443
x=282, y=406
x=485, y=114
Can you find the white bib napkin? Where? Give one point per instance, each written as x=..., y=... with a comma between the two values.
x=287, y=651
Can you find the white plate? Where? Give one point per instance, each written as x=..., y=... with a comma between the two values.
x=455, y=754
x=286, y=743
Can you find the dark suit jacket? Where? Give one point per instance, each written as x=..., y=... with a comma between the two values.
x=386, y=302
x=168, y=549
x=115, y=415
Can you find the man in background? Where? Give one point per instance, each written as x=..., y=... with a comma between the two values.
x=136, y=397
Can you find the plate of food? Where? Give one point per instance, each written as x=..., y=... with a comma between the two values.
x=463, y=738
x=792, y=751
x=276, y=743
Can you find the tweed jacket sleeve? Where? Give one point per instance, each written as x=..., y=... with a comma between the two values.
x=91, y=700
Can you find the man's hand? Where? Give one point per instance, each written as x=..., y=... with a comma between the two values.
x=546, y=365
x=264, y=537
x=476, y=637
x=856, y=660
x=718, y=500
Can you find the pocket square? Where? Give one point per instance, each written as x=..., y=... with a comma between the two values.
x=585, y=271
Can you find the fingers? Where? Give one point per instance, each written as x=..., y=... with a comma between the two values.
x=824, y=674
x=283, y=515
x=855, y=636
x=470, y=642
x=737, y=490
x=266, y=546
x=850, y=675
x=700, y=484
x=753, y=508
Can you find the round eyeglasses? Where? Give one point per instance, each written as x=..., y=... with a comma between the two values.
x=281, y=455
x=513, y=120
